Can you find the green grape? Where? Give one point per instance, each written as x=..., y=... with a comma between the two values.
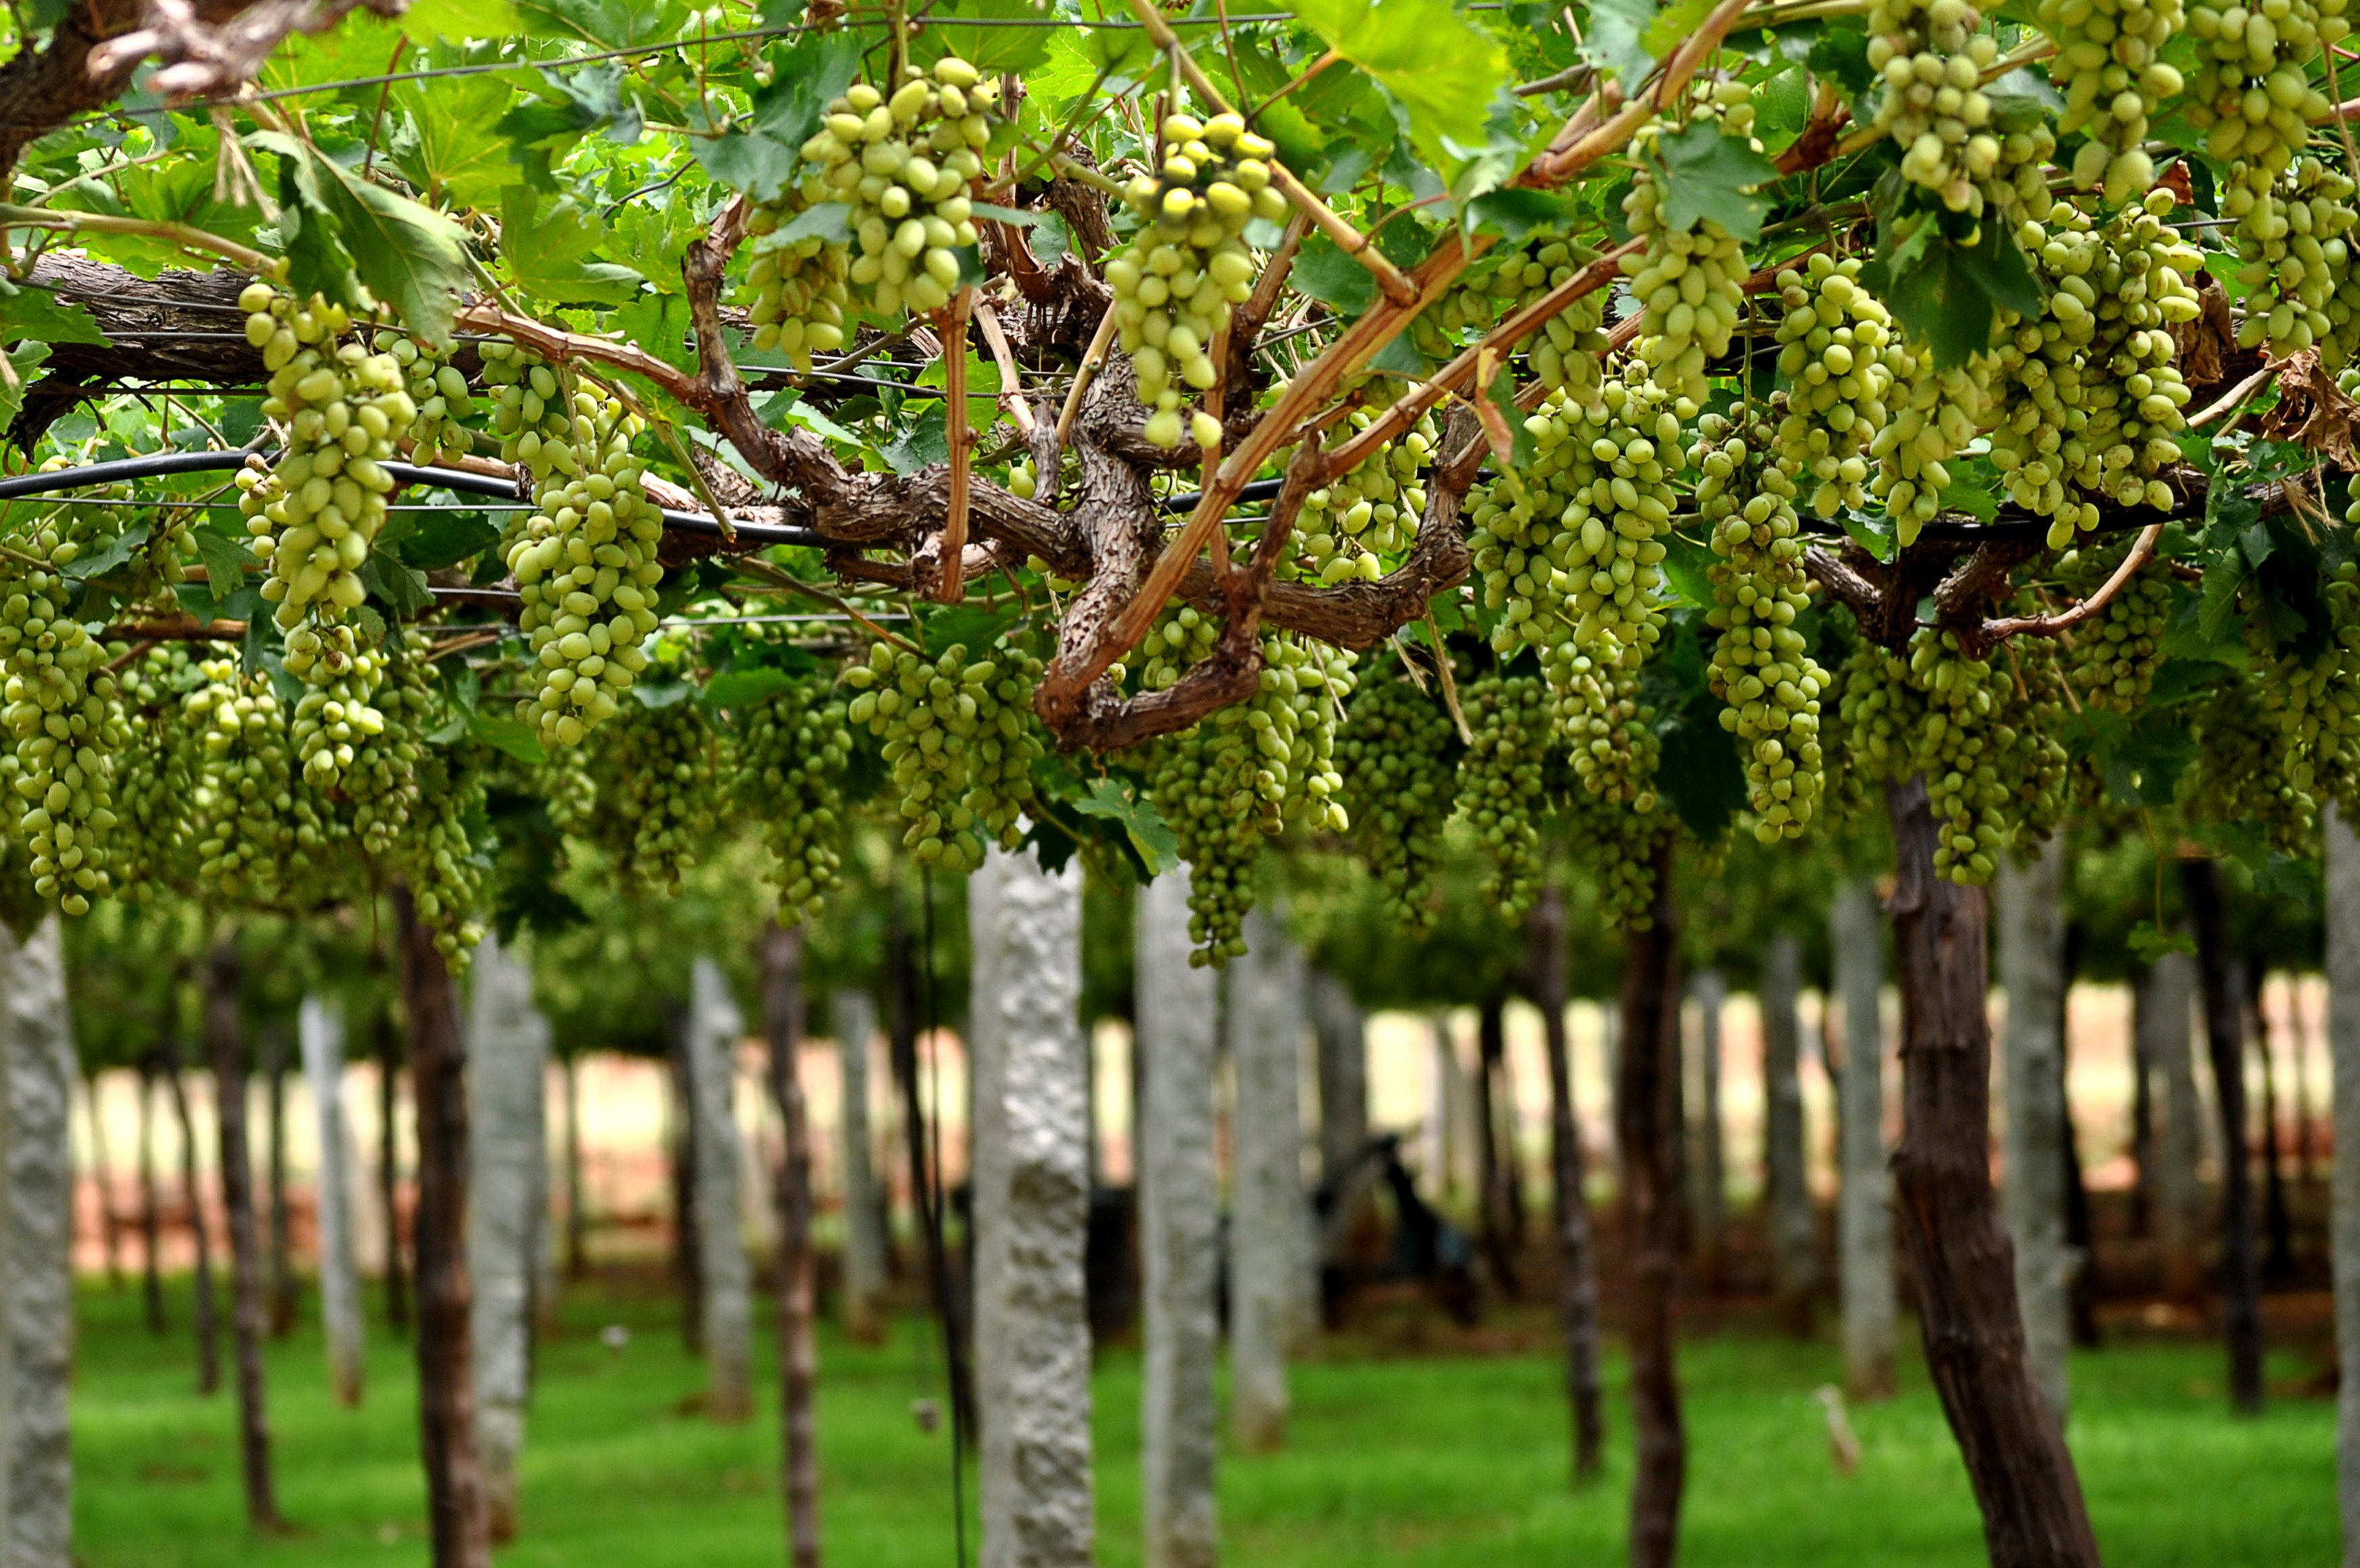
x=2294, y=244
x=1761, y=669
x=314, y=515
x=153, y=838
x=1607, y=733
x=1689, y=283
x=1618, y=844
x=659, y=773
x=1953, y=140
x=1177, y=281
x=2239, y=777
x=254, y=814
x=440, y=390
x=1397, y=757
x=1837, y=352
x=798, y=281
x=1347, y=524
x=61, y=709
x=586, y=565
x=2111, y=660
x=1023, y=479
x=1933, y=418
x=1571, y=547
x=529, y=410
x=792, y=752
x=2313, y=702
x=563, y=779
x=2109, y=66
x=1503, y=784
x=1181, y=636
x=439, y=857
x=1566, y=353
x=903, y=164
x=2034, y=766
x=959, y=739
x=383, y=783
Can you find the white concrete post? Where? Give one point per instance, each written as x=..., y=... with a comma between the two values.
x=320, y=1026
x=1269, y=1218
x=2029, y=904
x=508, y=1051
x=2343, y=1055
x=715, y=1028
x=1864, y=1217
x=864, y=1216
x=36, y=1074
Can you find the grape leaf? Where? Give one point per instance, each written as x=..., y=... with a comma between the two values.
x=601, y=24
x=403, y=588
x=549, y=250
x=746, y=688
x=807, y=78
x=457, y=19
x=454, y=149
x=989, y=49
x=1436, y=63
x=411, y=257
x=1323, y=271
x=39, y=315
x=1613, y=43
x=1149, y=836
x=512, y=736
x=1706, y=175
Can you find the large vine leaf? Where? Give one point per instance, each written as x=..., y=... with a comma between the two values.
x=411, y=257
x=1438, y=65
x=453, y=150
x=987, y=47
x=550, y=249
x=1708, y=175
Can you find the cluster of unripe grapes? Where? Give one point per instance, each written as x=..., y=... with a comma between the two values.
x=1837, y=349
x=314, y=516
x=2252, y=93
x=2110, y=65
x=1397, y=756
x=1177, y=281
x=1607, y=734
x=1349, y=522
x=529, y=413
x=792, y=752
x=1617, y=844
x=2312, y=699
x=438, y=858
x=1689, y=283
x=60, y=707
x=440, y=390
x=1567, y=353
x=2294, y=250
x=2239, y=773
x=1932, y=55
x=1938, y=712
x=152, y=841
x=252, y=812
x=959, y=738
x=2112, y=659
x=1760, y=667
x=382, y=782
x=902, y=163
x=335, y=719
x=1182, y=635
x=1932, y=418
x=1504, y=783
x=1569, y=548
x=658, y=772
x=584, y=561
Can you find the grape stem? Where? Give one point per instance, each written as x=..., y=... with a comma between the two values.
x=2141, y=550
x=950, y=586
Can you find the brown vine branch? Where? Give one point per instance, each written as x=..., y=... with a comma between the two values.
x=2141, y=550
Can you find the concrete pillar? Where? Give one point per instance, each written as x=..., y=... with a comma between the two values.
x=37, y=1075
x=319, y=1028
x=1269, y=1217
x=1179, y=1037
x=1865, y=1211
x=2029, y=903
x=714, y=1027
x=508, y=1052
x=1030, y=1184
x=2343, y=1057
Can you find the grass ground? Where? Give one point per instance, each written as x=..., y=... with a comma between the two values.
x=1428, y=1460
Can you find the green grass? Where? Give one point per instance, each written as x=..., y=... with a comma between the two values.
x=1431, y=1461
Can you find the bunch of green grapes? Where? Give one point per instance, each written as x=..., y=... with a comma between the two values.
x=383, y=783
x=1761, y=669
x=61, y=709
x=1397, y=755
x=2294, y=244
x=2039, y=401
x=1961, y=739
x=1607, y=734
x=315, y=514
x=659, y=774
x=334, y=720
x=2312, y=702
x=1933, y=417
x=586, y=565
x=1503, y=784
x=2112, y=659
x=1837, y=351
x=1933, y=56
x=2109, y=66
x=440, y=390
x=902, y=165
x=2239, y=777
x=152, y=801
x=439, y=857
x=529, y=412
x=798, y=281
x=1617, y=843
x=792, y=752
x=958, y=740
x=250, y=803
x=1689, y=283
x=562, y=781
x=1349, y=522
x=1181, y=636
x=1177, y=281
x=2251, y=93
x=1571, y=547
x=2034, y=766
x=2135, y=399
x=1566, y=353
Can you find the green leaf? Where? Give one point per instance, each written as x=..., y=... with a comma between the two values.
x=1518, y=215
x=442, y=538
x=989, y=50
x=308, y=231
x=601, y=24
x=1839, y=53
x=928, y=440
x=2218, y=603
x=225, y=558
x=512, y=736
x=412, y=259
x=746, y=161
x=1947, y=294
x=16, y=368
x=829, y=221
x=1436, y=62
x=1614, y=42
x=38, y=315
x=1323, y=271
x=1150, y=837
x=1706, y=175
x=1687, y=565
x=458, y=19
x=1875, y=534
x=454, y=151
x=658, y=324
x=550, y=249
x=2149, y=944
x=1673, y=24
x=400, y=587
x=746, y=687
x=103, y=557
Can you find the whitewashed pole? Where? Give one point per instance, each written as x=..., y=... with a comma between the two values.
x=1267, y=1212
x=864, y=1217
x=2343, y=1060
x=2167, y=1018
x=1786, y=1184
x=1031, y=1172
x=320, y=1025
x=1179, y=1009
x=508, y=1052
x=36, y=1074
x=2029, y=900
x=713, y=1030
x=1864, y=1215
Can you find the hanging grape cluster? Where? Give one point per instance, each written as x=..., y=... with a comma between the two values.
x=440, y=390
x=1397, y=757
x=792, y=752
x=1761, y=668
x=2110, y=660
x=958, y=738
x=1177, y=281
x=1352, y=521
x=1933, y=419
x=528, y=415
x=658, y=772
x=1565, y=354
x=2238, y=776
x=2311, y=696
x=315, y=514
x=2109, y=66
x=60, y=707
x=1503, y=784
x=152, y=801
x=253, y=811
x=902, y=165
x=1690, y=281
x=1837, y=352
x=586, y=567
x=383, y=783
x=439, y=858
x=1972, y=152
